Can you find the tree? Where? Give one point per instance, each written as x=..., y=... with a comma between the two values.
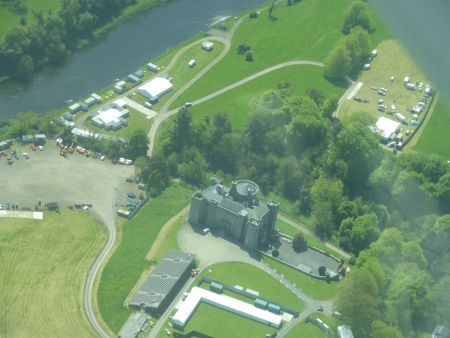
x=330, y=105
x=299, y=243
x=249, y=56
x=383, y=330
x=356, y=15
x=181, y=131
x=326, y=196
x=193, y=170
x=307, y=127
x=338, y=64
x=26, y=67
x=322, y=270
x=359, y=300
x=138, y=145
x=364, y=232
x=358, y=147
x=357, y=44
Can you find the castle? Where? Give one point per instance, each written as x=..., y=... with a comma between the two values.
x=235, y=211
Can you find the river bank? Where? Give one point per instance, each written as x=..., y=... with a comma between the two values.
x=119, y=50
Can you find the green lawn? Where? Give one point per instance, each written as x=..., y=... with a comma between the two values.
x=314, y=288
x=435, y=138
x=239, y=101
x=250, y=277
x=128, y=261
x=306, y=31
x=218, y=323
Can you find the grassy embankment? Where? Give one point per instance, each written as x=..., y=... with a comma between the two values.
x=43, y=266
x=435, y=137
x=128, y=263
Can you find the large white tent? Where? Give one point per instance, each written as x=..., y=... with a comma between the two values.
x=386, y=127
x=155, y=88
x=198, y=295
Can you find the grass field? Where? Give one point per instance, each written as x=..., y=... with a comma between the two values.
x=239, y=101
x=435, y=138
x=392, y=60
x=306, y=31
x=43, y=266
x=128, y=263
x=314, y=288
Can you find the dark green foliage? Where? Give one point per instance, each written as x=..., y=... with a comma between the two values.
x=53, y=36
x=249, y=56
x=357, y=15
x=138, y=145
x=299, y=243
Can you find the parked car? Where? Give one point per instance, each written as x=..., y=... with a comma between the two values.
x=206, y=230
x=131, y=195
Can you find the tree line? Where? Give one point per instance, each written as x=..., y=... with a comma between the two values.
x=26, y=49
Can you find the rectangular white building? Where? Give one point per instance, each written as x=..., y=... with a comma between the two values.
x=233, y=305
x=155, y=88
x=386, y=127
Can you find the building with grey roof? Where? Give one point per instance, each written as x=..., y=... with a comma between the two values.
x=235, y=211
x=163, y=283
x=135, y=324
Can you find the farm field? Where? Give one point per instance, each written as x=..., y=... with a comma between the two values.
x=43, y=267
x=314, y=288
x=128, y=263
x=315, y=24
x=392, y=60
x=435, y=138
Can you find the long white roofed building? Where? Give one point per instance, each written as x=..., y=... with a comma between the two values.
x=155, y=88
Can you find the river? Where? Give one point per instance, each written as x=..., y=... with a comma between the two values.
x=122, y=50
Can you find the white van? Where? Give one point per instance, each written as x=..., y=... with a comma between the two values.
x=191, y=63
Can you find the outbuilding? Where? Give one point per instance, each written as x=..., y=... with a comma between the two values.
x=40, y=139
x=74, y=108
x=155, y=88
x=97, y=98
x=5, y=144
x=153, y=68
x=207, y=45
x=27, y=139
x=191, y=63
x=68, y=116
x=84, y=106
x=139, y=73
x=134, y=79
x=90, y=101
